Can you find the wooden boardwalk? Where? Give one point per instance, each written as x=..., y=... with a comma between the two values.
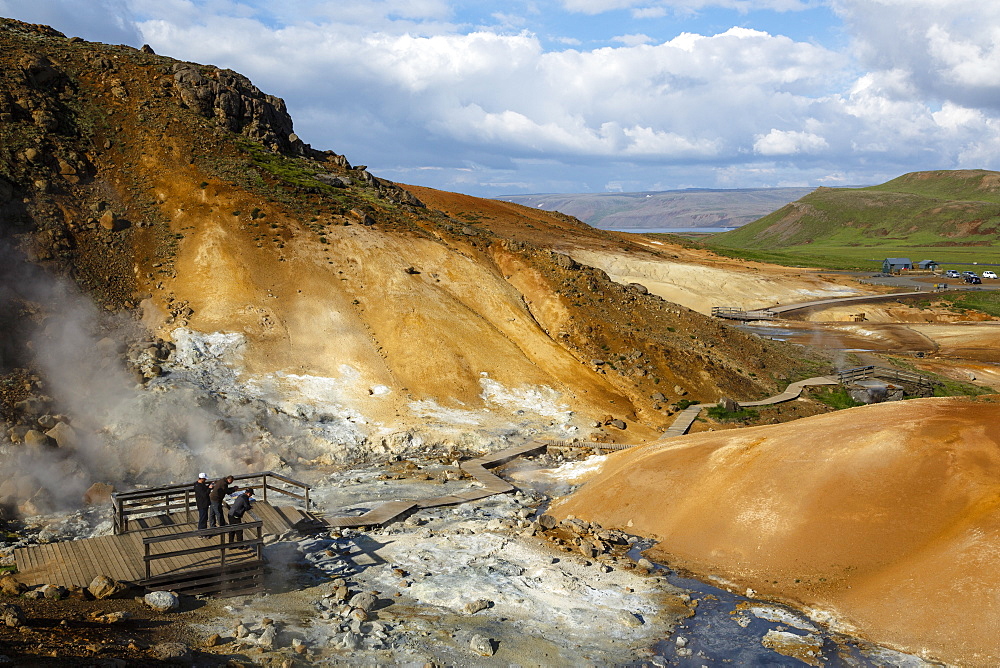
x=477, y=468
x=686, y=417
x=122, y=556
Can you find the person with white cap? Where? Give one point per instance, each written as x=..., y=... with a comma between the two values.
x=201, y=492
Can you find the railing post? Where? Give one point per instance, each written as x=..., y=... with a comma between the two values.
x=307, y=498
x=187, y=507
x=264, y=484
x=148, y=563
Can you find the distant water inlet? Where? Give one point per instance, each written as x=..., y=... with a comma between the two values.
x=672, y=230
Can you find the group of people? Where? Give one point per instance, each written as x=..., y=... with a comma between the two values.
x=209, y=498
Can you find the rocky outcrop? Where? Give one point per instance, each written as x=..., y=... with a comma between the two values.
x=238, y=104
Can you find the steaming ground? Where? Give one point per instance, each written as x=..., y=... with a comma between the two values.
x=443, y=578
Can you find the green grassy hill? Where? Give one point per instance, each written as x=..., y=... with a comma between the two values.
x=949, y=216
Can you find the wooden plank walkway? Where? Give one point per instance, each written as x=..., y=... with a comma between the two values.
x=686, y=417
x=121, y=556
x=477, y=468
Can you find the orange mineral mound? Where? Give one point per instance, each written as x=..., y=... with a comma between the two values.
x=883, y=519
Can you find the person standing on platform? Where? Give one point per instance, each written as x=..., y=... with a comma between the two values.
x=221, y=488
x=240, y=506
x=201, y=493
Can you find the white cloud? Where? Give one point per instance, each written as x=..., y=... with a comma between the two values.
x=480, y=101
x=657, y=8
x=788, y=142
x=99, y=20
x=632, y=40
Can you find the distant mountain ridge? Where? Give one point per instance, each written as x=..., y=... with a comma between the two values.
x=694, y=207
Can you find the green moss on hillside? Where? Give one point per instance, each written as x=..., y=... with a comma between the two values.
x=937, y=211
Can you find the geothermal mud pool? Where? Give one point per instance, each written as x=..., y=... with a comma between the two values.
x=459, y=584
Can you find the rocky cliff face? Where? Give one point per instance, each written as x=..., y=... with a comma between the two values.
x=297, y=286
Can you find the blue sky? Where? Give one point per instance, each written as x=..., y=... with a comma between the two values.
x=493, y=98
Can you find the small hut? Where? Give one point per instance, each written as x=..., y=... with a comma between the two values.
x=894, y=265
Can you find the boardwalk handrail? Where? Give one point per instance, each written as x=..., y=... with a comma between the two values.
x=734, y=313
x=179, y=498
x=863, y=372
x=256, y=544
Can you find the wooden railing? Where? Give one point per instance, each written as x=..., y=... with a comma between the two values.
x=213, y=574
x=872, y=371
x=225, y=542
x=170, y=499
x=733, y=313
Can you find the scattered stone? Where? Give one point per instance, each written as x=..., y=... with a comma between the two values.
x=110, y=617
x=630, y=619
x=729, y=405
x=213, y=640
x=618, y=424
x=482, y=646
x=363, y=600
x=473, y=607
x=351, y=641
x=47, y=421
x=104, y=587
x=804, y=648
x=547, y=522
x=645, y=563
x=241, y=631
x=162, y=601
x=268, y=639
x=53, y=592
x=679, y=391
x=638, y=288
x=11, y=615
x=11, y=586
x=171, y=651
x=36, y=439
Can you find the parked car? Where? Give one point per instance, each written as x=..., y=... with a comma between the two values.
x=973, y=279
x=989, y=273
x=970, y=273
x=952, y=273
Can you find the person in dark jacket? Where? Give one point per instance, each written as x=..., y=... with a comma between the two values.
x=221, y=488
x=240, y=506
x=201, y=492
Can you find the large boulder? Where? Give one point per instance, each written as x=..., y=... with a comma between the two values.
x=54, y=592
x=162, y=601
x=11, y=615
x=63, y=434
x=98, y=494
x=11, y=586
x=104, y=587
x=36, y=439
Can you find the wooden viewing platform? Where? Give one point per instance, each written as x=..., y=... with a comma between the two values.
x=156, y=543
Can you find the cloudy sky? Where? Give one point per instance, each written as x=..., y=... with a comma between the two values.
x=527, y=96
